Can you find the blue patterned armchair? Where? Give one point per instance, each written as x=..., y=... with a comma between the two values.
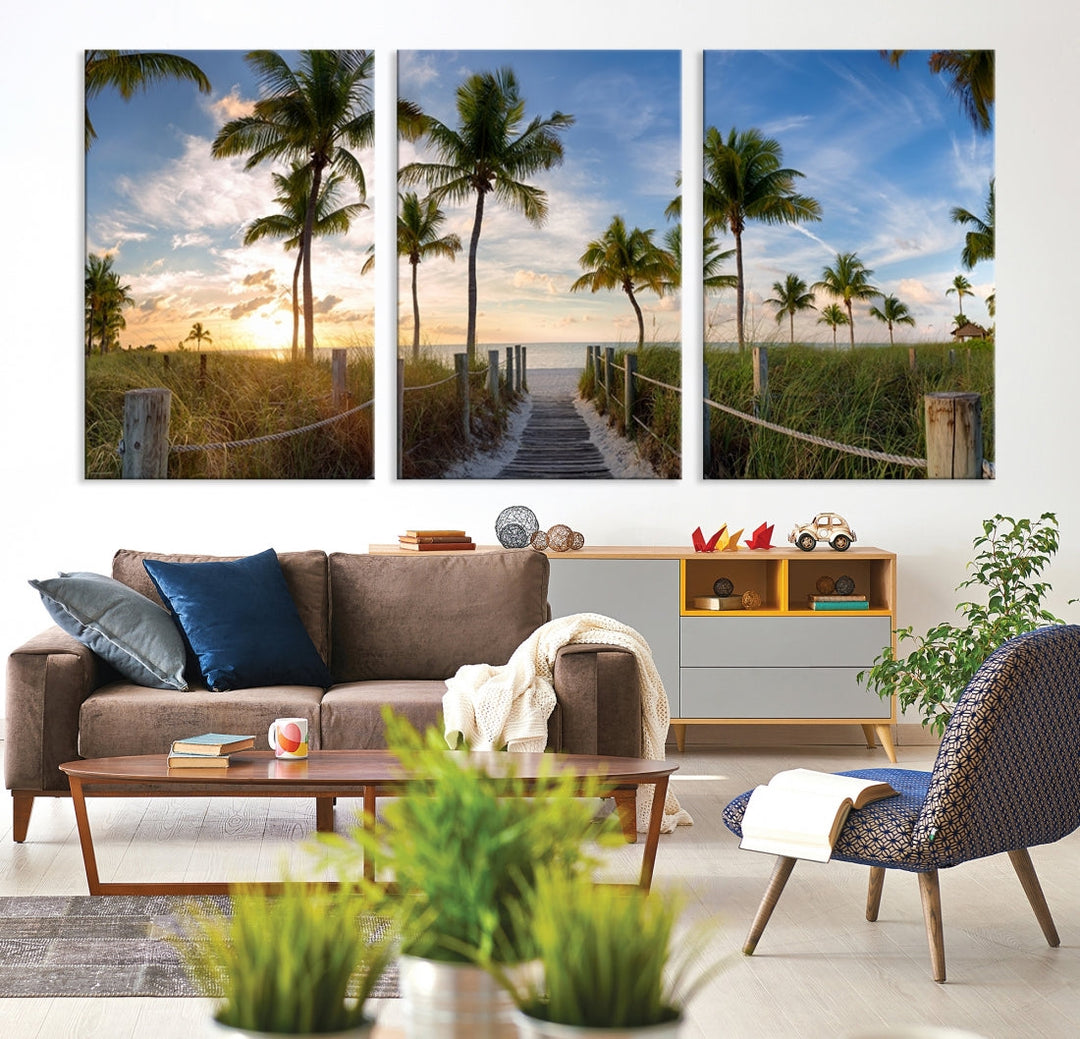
x=1006, y=778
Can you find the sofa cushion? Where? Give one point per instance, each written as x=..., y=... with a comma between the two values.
x=240, y=620
x=131, y=632
x=422, y=617
x=305, y=574
x=121, y=718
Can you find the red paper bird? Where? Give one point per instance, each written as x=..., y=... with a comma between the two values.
x=701, y=545
x=762, y=536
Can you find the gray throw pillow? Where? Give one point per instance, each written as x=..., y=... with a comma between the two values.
x=134, y=634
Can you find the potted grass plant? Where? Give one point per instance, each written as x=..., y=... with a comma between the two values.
x=302, y=962
x=465, y=851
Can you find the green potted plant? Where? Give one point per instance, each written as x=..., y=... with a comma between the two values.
x=609, y=963
x=465, y=850
x=296, y=963
x=1010, y=558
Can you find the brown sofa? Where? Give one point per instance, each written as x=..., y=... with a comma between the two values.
x=391, y=629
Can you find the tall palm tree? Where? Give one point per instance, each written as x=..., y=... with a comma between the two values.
x=292, y=196
x=791, y=297
x=106, y=297
x=199, y=334
x=892, y=312
x=971, y=80
x=962, y=287
x=978, y=243
x=848, y=279
x=713, y=258
x=628, y=260
x=128, y=71
x=744, y=180
x=833, y=315
x=490, y=153
x=316, y=114
x=418, y=226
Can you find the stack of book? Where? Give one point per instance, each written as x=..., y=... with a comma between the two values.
x=436, y=541
x=838, y=602
x=210, y=750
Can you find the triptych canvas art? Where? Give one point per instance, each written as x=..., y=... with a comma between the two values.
x=846, y=264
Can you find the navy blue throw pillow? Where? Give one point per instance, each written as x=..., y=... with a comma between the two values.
x=240, y=621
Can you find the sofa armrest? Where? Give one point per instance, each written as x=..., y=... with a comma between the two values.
x=599, y=700
x=47, y=680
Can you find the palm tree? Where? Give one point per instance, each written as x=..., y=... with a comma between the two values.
x=713, y=258
x=106, y=298
x=847, y=280
x=490, y=153
x=892, y=312
x=962, y=287
x=128, y=71
x=418, y=226
x=791, y=297
x=979, y=243
x=199, y=335
x=292, y=196
x=833, y=315
x=628, y=260
x=744, y=180
x=971, y=80
x=317, y=114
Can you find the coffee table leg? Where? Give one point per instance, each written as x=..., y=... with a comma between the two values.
x=369, y=823
x=86, y=841
x=652, y=838
x=324, y=814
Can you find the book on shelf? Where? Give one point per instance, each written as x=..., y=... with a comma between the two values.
x=211, y=744
x=836, y=604
x=434, y=533
x=837, y=598
x=198, y=760
x=716, y=602
x=800, y=812
x=435, y=539
x=440, y=546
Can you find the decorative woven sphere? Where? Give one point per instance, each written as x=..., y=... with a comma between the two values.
x=577, y=542
x=515, y=526
x=825, y=585
x=539, y=540
x=845, y=585
x=560, y=537
x=723, y=586
x=750, y=600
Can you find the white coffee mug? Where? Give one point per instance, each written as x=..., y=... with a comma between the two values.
x=288, y=738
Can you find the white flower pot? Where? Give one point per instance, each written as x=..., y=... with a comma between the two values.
x=452, y=1001
x=534, y=1028
x=361, y=1031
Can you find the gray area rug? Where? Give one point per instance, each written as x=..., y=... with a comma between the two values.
x=103, y=945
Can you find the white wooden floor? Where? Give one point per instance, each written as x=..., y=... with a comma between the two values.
x=820, y=971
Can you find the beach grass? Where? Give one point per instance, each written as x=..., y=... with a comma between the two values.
x=240, y=397
x=869, y=397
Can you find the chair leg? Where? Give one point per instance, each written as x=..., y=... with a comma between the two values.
x=873, y=893
x=781, y=872
x=1021, y=861
x=930, y=892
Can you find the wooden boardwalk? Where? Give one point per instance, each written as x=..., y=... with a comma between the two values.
x=555, y=445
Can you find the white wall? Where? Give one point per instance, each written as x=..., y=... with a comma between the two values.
x=53, y=519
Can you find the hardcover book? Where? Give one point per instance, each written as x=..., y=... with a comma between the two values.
x=211, y=744
x=198, y=760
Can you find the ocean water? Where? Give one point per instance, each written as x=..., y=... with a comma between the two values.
x=538, y=355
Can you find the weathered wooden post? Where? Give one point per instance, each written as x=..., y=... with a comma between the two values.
x=461, y=366
x=493, y=375
x=596, y=365
x=952, y=358
x=202, y=371
x=954, y=447
x=588, y=357
x=911, y=357
x=524, y=369
x=146, y=434
x=706, y=424
x=510, y=370
x=338, y=358
x=517, y=367
x=629, y=395
x=759, y=358
x=165, y=358
x=400, y=414
x=609, y=365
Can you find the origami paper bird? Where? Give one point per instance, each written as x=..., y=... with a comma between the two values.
x=733, y=541
x=762, y=536
x=701, y=545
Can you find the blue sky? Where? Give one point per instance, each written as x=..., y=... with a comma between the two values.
x=173, y=218
x=621, y=156
x=886, y=152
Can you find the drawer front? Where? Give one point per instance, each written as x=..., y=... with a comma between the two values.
x=778, y=692
x=796, y=642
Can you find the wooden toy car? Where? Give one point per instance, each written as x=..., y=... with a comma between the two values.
x=825, y=526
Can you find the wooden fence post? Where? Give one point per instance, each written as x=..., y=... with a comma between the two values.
x=954, y=446
x=338, y=360
x=400, y=413
x=706, y=424
x=609, y=364
x=911, y=357
x=202, y=371
x=461, y=366
x=524, y=369
x=493, y=375
x=629, y=395
x=517, y=367
x=510, y=370
x=596, y=365
x=166, y=360
x=760, y=360
x=146, y=434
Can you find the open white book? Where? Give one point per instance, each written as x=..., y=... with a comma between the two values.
x=801, y=812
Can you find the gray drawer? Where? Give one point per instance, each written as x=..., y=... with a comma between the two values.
x=778, y=692
x=797, y=642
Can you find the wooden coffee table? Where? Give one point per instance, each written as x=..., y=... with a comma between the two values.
x=329, y=774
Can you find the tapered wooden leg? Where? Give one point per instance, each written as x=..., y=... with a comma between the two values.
x=781, y=872
x=1021, y=861
x=626, y=809
x=324, y=814
x=680, y=736
x=21, y=806
x=930, y=892
x=868, y=733
x=884, y=733
x=873, y=892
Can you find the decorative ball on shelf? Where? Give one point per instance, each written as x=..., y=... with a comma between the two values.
x=577, y=542
x=723, y=586
x=515, y=526
x=750, y=599
x=845, y=585
x=560, y=537
x=825, y=585
x=539, y=540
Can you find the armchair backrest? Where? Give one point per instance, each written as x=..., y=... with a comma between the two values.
x=1007, y=774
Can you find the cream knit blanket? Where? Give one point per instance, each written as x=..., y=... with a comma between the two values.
x=509, y=706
